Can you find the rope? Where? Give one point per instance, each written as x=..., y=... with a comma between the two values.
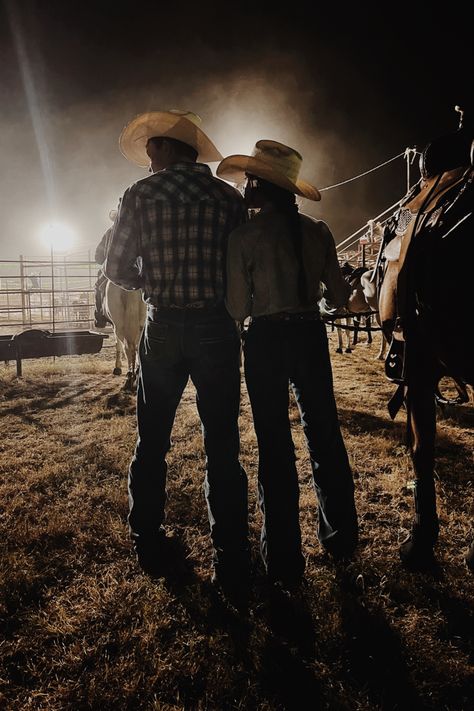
x=392, y=207
x=356, y=177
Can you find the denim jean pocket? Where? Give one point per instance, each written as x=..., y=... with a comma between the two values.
x=155, y=339
x=220, y=350
x=208, y=334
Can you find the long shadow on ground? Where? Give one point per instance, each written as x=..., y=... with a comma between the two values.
x=373, y=652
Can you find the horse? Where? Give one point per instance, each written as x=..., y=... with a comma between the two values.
x=127, y=311
x=424, y=259
x=363, y=300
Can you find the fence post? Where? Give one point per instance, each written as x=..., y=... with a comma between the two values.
x=22, y=291
x=52, y=291
x=90, y=295
x=66, y=285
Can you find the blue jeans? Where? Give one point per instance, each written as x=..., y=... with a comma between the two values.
x=201, y=344
x=278, y=354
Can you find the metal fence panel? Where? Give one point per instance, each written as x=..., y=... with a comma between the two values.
x=47, y=293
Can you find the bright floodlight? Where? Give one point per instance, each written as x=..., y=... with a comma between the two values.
x=57, y=236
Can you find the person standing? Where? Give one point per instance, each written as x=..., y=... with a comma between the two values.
x=169, y=239
x=275, y=266
x=101, y=319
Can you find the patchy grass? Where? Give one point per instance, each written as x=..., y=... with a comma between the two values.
x=83, y=628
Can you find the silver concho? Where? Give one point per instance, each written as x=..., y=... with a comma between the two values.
x=404, y=218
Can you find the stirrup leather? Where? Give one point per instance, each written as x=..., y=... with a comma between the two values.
x=395, y=362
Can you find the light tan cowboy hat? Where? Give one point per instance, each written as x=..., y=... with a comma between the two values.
x=181, y=125
x=272, y=161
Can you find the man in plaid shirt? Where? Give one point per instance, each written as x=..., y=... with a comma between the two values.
x=170, y=239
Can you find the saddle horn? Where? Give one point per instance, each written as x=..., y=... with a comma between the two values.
x=460, y=111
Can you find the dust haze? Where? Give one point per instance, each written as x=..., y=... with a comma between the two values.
x=90, y=174
x=241, y=96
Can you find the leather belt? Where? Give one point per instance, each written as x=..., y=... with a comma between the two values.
x=286, y=316
x=194, y=305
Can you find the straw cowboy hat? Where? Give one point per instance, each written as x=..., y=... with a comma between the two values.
x=272, y=161
x=181, y=125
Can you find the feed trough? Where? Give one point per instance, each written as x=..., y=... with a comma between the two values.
x=37, y=343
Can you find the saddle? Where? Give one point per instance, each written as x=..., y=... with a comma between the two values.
x=419, y=215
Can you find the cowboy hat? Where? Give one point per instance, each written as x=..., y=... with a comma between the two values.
x=180, y=125
x=271, y=161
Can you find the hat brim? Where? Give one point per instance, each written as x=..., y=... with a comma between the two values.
x=134, y=137
x=235, y=167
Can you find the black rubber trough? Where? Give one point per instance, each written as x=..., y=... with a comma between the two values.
x=37, y=343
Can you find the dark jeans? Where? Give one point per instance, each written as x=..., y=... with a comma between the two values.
x=202, y=344
x=276, y=354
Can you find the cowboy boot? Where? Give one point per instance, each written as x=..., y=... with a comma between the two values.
x=417, y=550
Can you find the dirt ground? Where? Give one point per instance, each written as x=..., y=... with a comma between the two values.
x=83, y=628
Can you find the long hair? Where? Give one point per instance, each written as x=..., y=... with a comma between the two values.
x=285, y=203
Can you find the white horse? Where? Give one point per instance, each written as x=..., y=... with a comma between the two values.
x=363, y=300
x=127, y=311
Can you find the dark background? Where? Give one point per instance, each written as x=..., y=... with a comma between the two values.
x=349, y=87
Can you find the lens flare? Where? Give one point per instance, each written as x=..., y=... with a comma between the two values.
x=57, y=236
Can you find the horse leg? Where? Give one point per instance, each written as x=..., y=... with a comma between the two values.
x=339, y=339
x=368, y=325
x=348, y=321
x=417, y=550
x=383, y=342
x=355, y=337
x=130, y=351
x=118, y=356
x=383, y=347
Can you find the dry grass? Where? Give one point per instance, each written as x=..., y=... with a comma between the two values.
x=83, y=628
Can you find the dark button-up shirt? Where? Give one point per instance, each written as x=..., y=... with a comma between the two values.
x=170, y=236
x=262, y=267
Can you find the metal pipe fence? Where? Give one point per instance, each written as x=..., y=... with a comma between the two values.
x=47, y=293
x=60, y=291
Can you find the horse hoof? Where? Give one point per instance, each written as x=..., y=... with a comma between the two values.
x=338, y=350
x=348, y=350
x=130, y=381
x=117, y=371
x=469, y=558
x=417, y=555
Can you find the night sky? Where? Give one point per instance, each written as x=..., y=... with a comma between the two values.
x=348, y=88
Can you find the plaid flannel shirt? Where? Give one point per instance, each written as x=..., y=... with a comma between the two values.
x=170, y=236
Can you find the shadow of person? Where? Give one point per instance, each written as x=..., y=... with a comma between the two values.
x=286, y=680
x=288, y=617
x=372, y=652
x=170, y=565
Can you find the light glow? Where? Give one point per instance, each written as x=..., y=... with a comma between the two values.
x=57, y=236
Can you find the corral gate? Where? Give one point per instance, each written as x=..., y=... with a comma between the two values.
x=47, y=293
